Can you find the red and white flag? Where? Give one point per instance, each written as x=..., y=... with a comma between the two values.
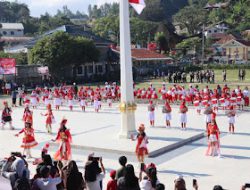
x=138, y=5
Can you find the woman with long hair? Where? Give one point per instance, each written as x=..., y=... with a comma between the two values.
x=129, y=181
x=141, y=147
x=150, y=181
x=64, y=138
x=72, y=178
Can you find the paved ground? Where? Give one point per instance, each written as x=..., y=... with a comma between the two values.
x=189, y=161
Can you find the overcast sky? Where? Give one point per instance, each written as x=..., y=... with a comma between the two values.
x=38, y=7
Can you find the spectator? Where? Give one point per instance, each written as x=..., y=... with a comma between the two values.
x=15, y=168
x=160, y=186
x=46, y=182
x=72, y=178
x=14, y=96
x=217, y=187
x=112, y=184
x=129, y=181
x=120, y=171
x=150, y=181
x=94, y=174
x=180, y=184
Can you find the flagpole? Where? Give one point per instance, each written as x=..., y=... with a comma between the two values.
x=127, y=105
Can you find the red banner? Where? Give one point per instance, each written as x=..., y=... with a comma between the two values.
x=7, y=66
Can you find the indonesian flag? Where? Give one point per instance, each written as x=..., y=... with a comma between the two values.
x=138, y=5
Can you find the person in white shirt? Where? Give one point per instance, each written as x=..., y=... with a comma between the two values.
x=46, y=182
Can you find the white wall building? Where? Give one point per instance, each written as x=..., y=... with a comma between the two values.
x=219, y=28
x=11, y=29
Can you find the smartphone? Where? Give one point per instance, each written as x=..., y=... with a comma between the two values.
x=247, y=185
x=142, y=167
x=194, y=182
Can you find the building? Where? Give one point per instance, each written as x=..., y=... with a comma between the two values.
x=237, y=50
x=86, y=71
x=11, y=29
x=216, y=31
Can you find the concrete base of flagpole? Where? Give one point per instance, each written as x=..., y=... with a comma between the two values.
x=127, y=125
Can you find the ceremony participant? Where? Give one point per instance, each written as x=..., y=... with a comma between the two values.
x=70, y=100
x=27, y=114
x=49, y=118
x=64, y=138
x=6, y=115
x=28, y=139
x=183, y=115
x=33, y=99
x=207, y=112
x=166, y=110
x=112, y=183
x=231, y=119
x=151, y=114
x=246, y=96
x=197, y=103
x=83, y=103
x=96, y=105
x=57, y=99
x=141, y=146
x=213, y=139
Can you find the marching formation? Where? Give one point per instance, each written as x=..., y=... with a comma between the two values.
x=206, y=101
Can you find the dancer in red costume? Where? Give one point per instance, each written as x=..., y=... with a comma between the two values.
x=231, y=119
x=27, y=114
x=64, y=138
x=167, y=111
x=151, y=114
x=28, y=139
x=141, y=147
x=183, y=115
x=49, y=118
x=6, y=115
x=213, y=135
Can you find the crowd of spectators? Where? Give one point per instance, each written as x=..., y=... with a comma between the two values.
x=56, y=176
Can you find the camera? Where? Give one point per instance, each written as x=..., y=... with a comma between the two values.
x=92, y=158
x=247, y=185
x=17, y=154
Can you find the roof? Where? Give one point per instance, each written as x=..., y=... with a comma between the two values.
x=73, y=30
x=226, y=39
x=218, y=36
x=11, y=26
x=243, y=42
x=145, y=55
x=14, y=39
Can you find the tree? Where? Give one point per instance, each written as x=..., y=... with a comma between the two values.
x=193, y=43
x=191, y=17
x=61, y=51
x=162, y=41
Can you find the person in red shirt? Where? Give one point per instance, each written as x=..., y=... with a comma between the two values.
x=112, y=184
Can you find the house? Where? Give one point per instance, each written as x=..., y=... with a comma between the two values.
x=237, y=49
x=11, y=29
x=216, y=31
x=145, y=61
x=88, y=70
x=179, y=29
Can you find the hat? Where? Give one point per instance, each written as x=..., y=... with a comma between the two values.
x=49, y=106
x=141, y=127
x=5, y=103
x=231, y=107
x=112, y=173
x=64, y=121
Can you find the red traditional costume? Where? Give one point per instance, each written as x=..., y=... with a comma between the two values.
x=64, y=138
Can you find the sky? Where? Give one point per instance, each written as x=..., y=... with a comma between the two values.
x=38, y=7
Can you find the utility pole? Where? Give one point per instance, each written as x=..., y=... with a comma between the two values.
x=203, y=45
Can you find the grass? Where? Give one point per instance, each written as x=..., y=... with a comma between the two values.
x=232, y=81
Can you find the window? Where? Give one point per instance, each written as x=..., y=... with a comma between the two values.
x=79, y=70
x=90, y=69
x=4, y=33
x=100, y=70
x=209, y=31
x=12, y=33
x=215, y=31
